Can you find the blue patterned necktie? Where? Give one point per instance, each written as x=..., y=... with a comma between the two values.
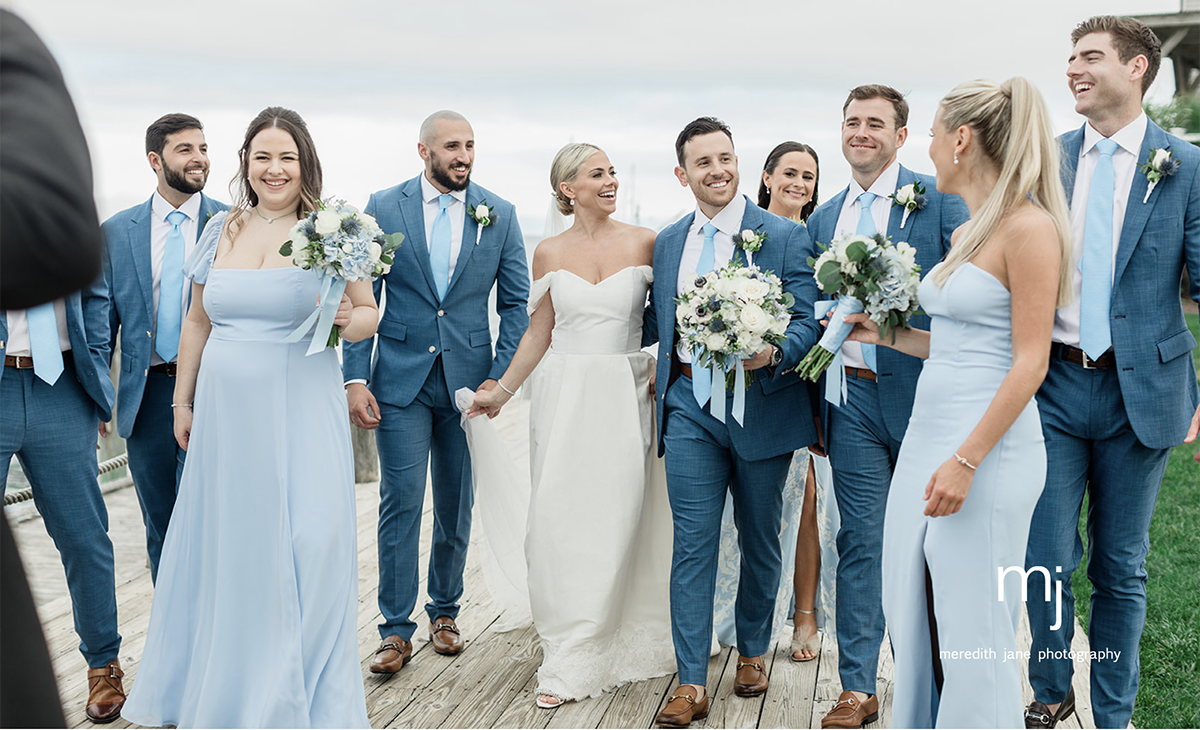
x=702, y=377
x=43, y=342
x=1096, y=262
x=170, y=291
x=866, y=227
x=439, y=246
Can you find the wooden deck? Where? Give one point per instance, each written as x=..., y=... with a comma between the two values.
x=491, y=684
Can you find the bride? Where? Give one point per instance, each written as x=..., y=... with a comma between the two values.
x=598, y=538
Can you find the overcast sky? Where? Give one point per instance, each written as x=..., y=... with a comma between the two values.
x=532, y=76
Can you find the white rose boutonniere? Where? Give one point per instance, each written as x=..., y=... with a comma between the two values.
x=911, y=197
x=482, y=214
x=750, y=241
x=1161, y=164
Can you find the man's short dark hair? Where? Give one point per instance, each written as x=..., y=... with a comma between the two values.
x=879, y=91
x=703, y=125
x=1130, y=38
x=164, y=126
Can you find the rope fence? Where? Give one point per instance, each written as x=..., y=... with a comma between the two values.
x=25, y=495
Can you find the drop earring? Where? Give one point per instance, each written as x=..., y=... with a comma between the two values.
x=956, y=157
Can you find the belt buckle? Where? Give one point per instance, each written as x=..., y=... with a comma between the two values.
x=1085, y=360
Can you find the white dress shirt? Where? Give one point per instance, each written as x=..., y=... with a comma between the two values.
x=18, y=330
x=847, y=224
x=159, y=228
x=457, y=212
x=728, y=222
x=1124, y=160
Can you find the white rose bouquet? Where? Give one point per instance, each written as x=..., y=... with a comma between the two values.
x=868, y=274
x=728, y=315
x=341, y=245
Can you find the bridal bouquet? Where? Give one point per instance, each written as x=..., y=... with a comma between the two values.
x=341, y=244
x=728, y=315
x=868, y=274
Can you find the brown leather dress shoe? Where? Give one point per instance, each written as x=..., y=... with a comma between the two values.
x=392, y=655
x=106, y=696
x=682, y=708
x=1038, y=715
x=444, y=636
x=751, y=678
x=849, y=711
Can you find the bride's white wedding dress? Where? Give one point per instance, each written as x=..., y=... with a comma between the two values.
x=595, y=569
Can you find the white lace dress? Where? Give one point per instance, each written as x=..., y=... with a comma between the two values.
x=597, y=542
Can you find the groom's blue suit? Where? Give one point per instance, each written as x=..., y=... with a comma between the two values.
x=425, y=350
x=705, y=457
x=1109, y=431
x=144, y=416
x=863, y=436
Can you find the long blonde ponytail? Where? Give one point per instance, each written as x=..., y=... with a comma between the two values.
x=1012, y=126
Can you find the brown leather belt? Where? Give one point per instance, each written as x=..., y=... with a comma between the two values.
x=1076, y=356
x=861, y=373
x=25, y=362
x=685, y=370
x=166, y=368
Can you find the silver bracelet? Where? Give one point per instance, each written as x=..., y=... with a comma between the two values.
x=963, y=461
x=181, y=405
x=506, y=390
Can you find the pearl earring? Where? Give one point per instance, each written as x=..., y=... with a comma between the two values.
x=956, y=157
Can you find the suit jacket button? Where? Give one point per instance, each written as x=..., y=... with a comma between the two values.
x=149, y=335
x=146, y=373
x=432, y=348
x=441, y=313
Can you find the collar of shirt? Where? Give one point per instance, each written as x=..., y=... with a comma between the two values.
x=883, y=186
x=429, y=193
x=161, y=208
x=728, y=220
x=1129, y=138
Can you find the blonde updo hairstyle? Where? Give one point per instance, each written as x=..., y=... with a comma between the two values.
x=566, y=166
x=1010, y=127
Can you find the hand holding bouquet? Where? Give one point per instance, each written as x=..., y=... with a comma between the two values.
x=729, y=315
x=342, y=245
x=868, y=274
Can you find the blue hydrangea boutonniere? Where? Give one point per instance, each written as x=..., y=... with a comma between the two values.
x=1162, y=164
x=482, y=214
x=911, y=197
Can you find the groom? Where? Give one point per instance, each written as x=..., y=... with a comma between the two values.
x=706, y=456
x=863, y=433
x=433, y=339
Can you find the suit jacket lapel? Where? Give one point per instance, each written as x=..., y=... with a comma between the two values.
x=670, y=276
x=896, y=212
x=1137, y=212
x=1071, y=144
x=825, y=233
x=412, y=210
x=470, y=231
x=140, y=248
x=751, y=219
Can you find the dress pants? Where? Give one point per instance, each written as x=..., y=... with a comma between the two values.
x=52, y=431
x=863, y=457
x=1091, y=447
x=702, y=465
x=407, y=438
x=155, y=461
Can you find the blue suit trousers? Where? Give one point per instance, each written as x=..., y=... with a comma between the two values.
x=1091, y=447
x=52, y=431
x=702, y=466
x=407, y=439
x=155, y=462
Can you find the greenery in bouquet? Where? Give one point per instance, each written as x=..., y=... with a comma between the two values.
x=731, y=314
x=865, y=273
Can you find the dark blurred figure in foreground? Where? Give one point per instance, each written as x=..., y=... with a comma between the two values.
x=50, y=246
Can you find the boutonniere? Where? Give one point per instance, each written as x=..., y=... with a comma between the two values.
x=750, y=241
x=482, y=215
x=1162, y=164
x=207, y=218
x=911, y=197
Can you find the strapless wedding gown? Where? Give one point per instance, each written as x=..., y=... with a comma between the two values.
x=970, y=353
x=598, y=536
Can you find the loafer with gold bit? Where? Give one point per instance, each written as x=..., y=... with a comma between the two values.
x=751, y=677
x=682, y=708
x=849, y=711
x=392, y=655
x=444, y=636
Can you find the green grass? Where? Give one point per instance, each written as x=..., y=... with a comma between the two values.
x=1170, y=650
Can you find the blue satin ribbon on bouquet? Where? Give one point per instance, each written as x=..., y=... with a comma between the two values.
x=332, y=288
x=716, y=404
x=835, y=376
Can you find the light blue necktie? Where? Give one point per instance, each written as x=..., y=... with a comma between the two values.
x=439, y=246
x=1096, y=262
x=43, y=342
x=866, y=227
x=170, y=291
x=702, y=377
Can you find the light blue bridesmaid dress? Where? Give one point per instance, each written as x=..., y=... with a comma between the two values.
x=253, y=622
x=970, y=353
